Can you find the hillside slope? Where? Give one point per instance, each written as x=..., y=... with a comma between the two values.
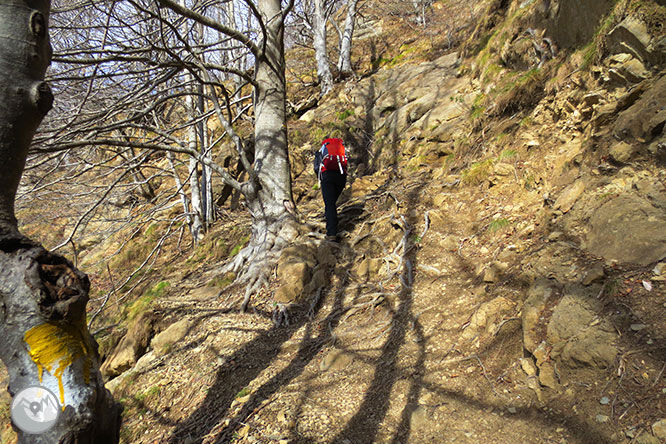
x=501, y=275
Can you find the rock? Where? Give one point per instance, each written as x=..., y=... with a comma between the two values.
x=570, y=24
x=449, y=244
x=538, y=295
x=621, y=152
x=489, y=275
x=504, y=169
x=594, y=274
x=548, y=376
x=320, y=278
x=576, y=334
x=604, y=400
x=174, y=333
x=602, y=418
x=309, y=116
x=541, y=353
x=367, y=184
x=131, y=347
x=532, y=144
x=593, y=98
x=645, y=119
x=569, y=196
x=659, y=429
x=634, y=71
x=203, y=293
x=335, y=360
x=145, y=361
x=487, y=317
x=288, y=293
x=294, y=276
x=305, y=253
x=637, y=327
x=630, y=36
x=628, y=229
x=528, y=366
x=512, y=410
x=658, y=150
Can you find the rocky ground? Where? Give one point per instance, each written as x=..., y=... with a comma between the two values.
x=517, y=296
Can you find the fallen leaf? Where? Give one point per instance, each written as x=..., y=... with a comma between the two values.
x=647, y=285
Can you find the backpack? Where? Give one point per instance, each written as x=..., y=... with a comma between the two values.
x=330, y=157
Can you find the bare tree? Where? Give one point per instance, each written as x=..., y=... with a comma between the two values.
x=43, y=296
x=143, y=59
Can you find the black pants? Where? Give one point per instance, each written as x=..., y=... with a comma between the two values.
x=332, y=184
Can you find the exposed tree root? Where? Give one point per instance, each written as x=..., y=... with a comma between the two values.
x=254, y=263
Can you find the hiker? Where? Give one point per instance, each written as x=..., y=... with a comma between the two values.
x=330, y=165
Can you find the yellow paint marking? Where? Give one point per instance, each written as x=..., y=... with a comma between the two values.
x=57, y=347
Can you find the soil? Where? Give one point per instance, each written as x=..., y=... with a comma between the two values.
x=384, y=359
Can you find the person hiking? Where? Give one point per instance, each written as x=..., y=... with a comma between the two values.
x=330, y=165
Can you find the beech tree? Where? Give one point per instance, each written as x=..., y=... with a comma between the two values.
x=313, y=18
x=43, y=296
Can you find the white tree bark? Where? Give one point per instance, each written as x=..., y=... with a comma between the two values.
x=321, y=54
x=344, y=61
x=43, y=296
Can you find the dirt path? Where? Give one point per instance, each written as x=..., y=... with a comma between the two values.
x=386, y=356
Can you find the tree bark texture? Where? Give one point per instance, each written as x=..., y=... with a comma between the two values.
x=43, y=296
x=321, y=54
x=344, y=61
x=268, y=197
x=270, y=132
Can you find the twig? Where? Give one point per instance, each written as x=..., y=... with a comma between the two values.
x=106, y=299
x=663, y=367
x=492, y=386
x=426, y=217
x=499, y=327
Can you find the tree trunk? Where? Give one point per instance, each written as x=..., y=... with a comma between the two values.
x=344, y=61
x=43, y=296
x=197, y=226
x=321, y=55
x=269, y=199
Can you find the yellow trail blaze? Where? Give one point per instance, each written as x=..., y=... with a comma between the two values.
x=55, y=346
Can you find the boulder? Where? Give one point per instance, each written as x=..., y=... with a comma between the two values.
x=621, y=152
x=173, y=334
x=630, y=36
x=645, y=119
x=577, y=335
x=628, y=229
x=570, y=23
x=289, y=293
x=659, y=429
x=305, y=253
x=131, y=347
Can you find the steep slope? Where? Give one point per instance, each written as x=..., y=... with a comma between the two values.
x=499, y=279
